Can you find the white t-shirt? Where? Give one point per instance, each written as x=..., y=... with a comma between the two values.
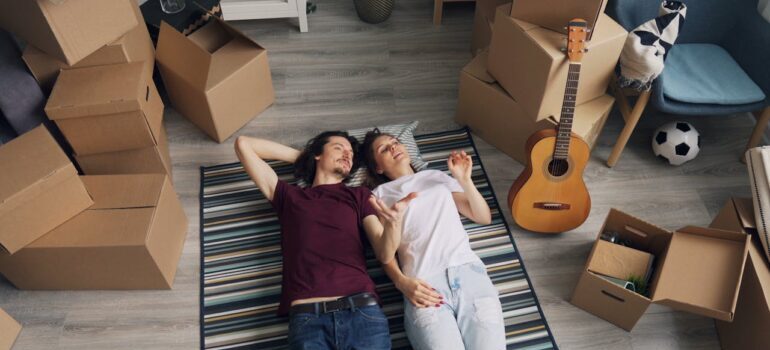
x=433, y=237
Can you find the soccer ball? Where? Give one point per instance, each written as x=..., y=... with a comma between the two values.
x=676, y=142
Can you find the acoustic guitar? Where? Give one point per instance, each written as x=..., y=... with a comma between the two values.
x=550, y=196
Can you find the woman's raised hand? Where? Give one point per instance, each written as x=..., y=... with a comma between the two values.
x=419, y=293
x=460, y=165
x=392, y=214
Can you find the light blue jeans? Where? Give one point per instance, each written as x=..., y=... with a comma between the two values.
x=470, y=318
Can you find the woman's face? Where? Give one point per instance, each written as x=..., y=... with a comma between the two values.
x=389, y=154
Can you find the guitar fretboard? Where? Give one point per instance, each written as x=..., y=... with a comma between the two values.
x=567, y=112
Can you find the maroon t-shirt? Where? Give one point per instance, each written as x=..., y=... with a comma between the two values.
x=322, y=238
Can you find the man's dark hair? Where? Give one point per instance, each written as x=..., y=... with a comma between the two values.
x=304, y=167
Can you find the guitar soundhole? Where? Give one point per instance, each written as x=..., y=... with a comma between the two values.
x=558, y=167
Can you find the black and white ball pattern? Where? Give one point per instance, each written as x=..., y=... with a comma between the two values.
x=676, y=142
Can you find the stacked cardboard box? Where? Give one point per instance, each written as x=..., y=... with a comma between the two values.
x=483, y=21
x=752, y=314
x=9, y=331
x=517, y=87
x=697, y=270
x=52, y=233
x=112, y=116
x=134, y=46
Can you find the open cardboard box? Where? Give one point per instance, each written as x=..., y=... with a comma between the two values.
x=131, y=238
x=69, y=30
x=216, y=77
x=148, y=160
x=39, y=189
x=134, y=46
x=499, y=119
x=106, y=108
x=527, y=61
x=698, y=270
x=749, y=329
x=555, y=14
x=9, y=331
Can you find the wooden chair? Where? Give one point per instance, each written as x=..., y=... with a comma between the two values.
x=733, y=27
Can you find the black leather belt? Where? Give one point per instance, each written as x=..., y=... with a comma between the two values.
x=344, y=303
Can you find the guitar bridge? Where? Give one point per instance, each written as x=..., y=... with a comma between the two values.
x=551, y=206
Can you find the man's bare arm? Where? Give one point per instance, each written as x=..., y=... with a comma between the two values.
x=253, y=152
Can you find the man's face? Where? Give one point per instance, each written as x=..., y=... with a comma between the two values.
x=337, y=157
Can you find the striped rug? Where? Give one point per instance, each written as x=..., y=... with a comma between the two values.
x=241, y=260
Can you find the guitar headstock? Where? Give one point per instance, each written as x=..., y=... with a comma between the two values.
x=577, y=32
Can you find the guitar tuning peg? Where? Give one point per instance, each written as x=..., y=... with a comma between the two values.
x=588, y=30
x=585, y=50
x=563, y=49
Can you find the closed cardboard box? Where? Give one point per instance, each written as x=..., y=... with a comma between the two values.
x=39, y=189
x=555, y=14
x=497, y=118
x=148, y=160
x=216, y=77
x=106, y=108
x=131, y=238
x=527, y=61
x=134, y=46
x=9, y=331
x=698, y=270
x=749, y=329
x=68, y=30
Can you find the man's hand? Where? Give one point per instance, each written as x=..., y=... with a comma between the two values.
x=394, y=214
x=419, y=292
x=460, y=165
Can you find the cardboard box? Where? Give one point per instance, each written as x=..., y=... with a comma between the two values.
x=106, y=108
x=618, y=261
x=697, y=270
x=134, y=46
x=131, y=238
x=528, y=63
x=149, y=160
x=497, y=118
x=483, y=19
x=216, y=77
x=9, y=331
x=749, y=329
x=555, y=14
x=39, y=189
x=69, y=30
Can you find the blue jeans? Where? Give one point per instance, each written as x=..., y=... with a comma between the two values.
x=361, y=328
x=470, y=318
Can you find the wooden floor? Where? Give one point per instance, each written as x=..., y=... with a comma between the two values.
x=348, y=74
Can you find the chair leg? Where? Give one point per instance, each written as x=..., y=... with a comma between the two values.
x=631, y=120
x=759, y=129
x=438, y=8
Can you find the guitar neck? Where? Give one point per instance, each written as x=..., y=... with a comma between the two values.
x=567, y=112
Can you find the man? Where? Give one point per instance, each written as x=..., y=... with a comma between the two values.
x=326, y=290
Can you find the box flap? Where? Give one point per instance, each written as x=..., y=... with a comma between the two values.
x=761, y=268
x=744, y=207
x=34, y=156
x=9, y=330
x=702, y=272
x=478, y=68
x=555, y=14
x=176, y=53
x=100, y=228
x=618, y=261
x=124, y=191
x=97, y=91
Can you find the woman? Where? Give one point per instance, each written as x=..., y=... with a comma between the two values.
x=452, y=303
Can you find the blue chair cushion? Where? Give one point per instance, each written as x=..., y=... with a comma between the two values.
x=705, y=73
